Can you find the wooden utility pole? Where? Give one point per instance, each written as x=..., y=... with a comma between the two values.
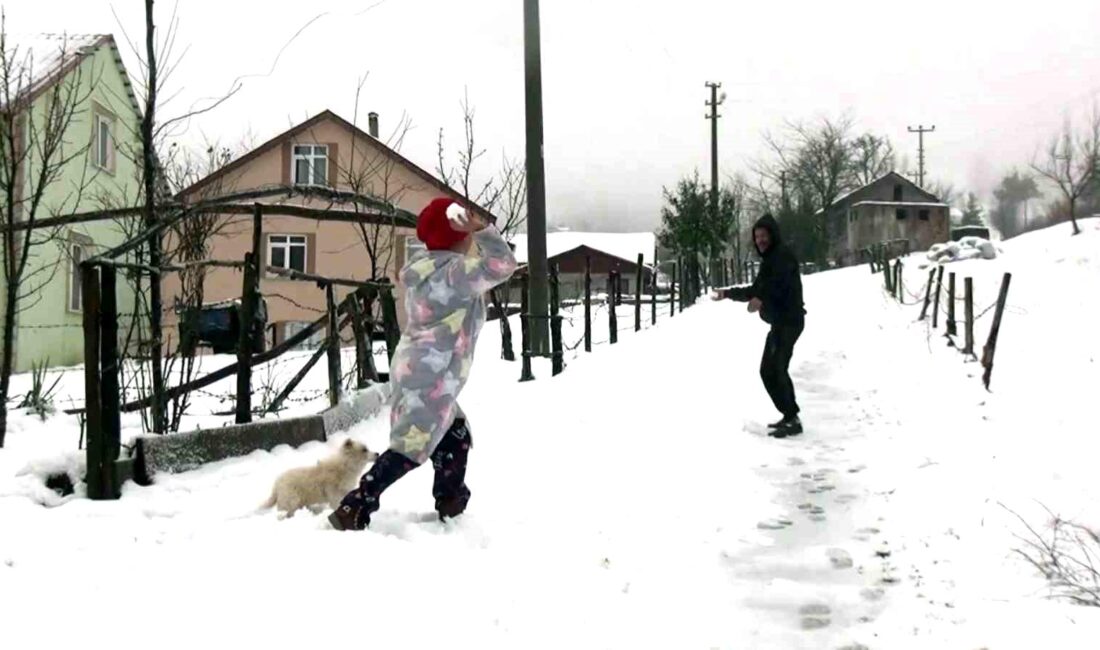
x=536, y=184
x=713, y=103
x=920, y=131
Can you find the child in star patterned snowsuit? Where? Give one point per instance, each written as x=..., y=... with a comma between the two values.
x=445, y=285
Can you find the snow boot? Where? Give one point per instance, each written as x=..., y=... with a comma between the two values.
x=356, y=508
x=449, y=461
x=789, y=426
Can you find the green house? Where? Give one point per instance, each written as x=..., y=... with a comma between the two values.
x=96, y=167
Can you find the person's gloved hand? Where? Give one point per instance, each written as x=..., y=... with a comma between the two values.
x=754, y=305
x=717, y=294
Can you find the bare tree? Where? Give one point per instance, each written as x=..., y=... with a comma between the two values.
x=1070, y=162
x=37, y=109
x=460, y=177
x=872, y=157
x=813, y=164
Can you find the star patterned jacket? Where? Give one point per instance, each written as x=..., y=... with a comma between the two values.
x=445, y=308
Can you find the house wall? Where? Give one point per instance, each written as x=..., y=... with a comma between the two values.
x=335, y=249
x=874, y=224
x=45, y=328
x=871, y=224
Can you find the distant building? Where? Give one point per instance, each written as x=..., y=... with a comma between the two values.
x=891, y=209
x=605, y=251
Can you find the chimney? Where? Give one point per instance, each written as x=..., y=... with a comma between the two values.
x=372, y=124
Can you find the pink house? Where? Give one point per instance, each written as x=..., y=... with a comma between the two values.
x=328, y=151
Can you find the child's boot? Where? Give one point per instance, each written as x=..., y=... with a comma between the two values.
x=356, y=508
x=449, y=460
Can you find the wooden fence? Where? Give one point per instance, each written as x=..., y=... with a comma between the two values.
x=99, y=278
x=934, y=292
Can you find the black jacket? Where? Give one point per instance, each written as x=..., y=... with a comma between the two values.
x=778, y=284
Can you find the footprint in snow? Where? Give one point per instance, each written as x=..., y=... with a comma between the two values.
x=839, y=558
x=815, y=616
x=774, y=524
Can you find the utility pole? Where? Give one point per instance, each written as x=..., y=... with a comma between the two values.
x=536, y=184
x=713, y=103
x=920, y=131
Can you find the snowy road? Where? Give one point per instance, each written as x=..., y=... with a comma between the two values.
x=631, y=502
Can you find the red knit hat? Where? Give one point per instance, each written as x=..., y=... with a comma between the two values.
x=434, y=228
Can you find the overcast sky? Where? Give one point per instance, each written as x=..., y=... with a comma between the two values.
x=623, y=80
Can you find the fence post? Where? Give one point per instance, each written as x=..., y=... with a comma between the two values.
x=389, y=319
x=968, y=306
x=899, y=278
x=612, y=318
x=368, y=296
x=683, y=284
x=638, y=277
x=95, y=451
x=653, y=294
x=362, y=341
x=672, y=291
x=557, y=355
x=109, y=384
x=991, y=343
x=335, y=374
x=525, y=332
x=951, y=331
x=506, y=352
x=936, y=307
x=927, y=294
x=587, y=303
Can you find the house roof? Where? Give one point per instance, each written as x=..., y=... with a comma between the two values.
x=311, y=122
x=903, y=204
x=41, y=60
x=898, y=177
x=624, y=246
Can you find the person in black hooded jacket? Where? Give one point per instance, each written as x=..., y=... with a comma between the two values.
x=777, y=295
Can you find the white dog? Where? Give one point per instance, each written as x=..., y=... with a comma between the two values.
x=325, y=483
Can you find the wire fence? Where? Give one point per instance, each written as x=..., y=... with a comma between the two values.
x=931, y=293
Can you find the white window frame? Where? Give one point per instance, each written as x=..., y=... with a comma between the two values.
x=75, y=294
x=290, y=241
x=103, y=160
x=315, y=152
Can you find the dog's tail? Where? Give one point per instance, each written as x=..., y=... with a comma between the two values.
x=266, y=505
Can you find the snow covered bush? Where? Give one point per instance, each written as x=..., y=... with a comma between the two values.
x=967, y=248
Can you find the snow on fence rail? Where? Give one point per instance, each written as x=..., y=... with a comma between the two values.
x=894, y=284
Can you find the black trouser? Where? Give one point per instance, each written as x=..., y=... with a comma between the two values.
x=449, y=461
x=449, y=487
x=775, y=364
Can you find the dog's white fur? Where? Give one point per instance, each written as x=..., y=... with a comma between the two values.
x=325, y=483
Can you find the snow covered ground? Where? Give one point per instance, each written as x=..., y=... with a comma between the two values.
x=634, y=502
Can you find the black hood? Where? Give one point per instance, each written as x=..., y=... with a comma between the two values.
x=768, y=222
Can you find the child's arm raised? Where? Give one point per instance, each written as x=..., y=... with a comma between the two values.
x=493, y=264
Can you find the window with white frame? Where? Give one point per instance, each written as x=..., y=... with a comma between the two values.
x=103, y=144
x=76, y=256
x=287, y=252
x=310, y=164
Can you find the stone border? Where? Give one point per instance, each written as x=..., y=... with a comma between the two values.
x=183, y=452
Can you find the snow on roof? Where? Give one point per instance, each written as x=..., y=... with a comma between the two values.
x=624, y=245
x=904, y=204
x=37, y=58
